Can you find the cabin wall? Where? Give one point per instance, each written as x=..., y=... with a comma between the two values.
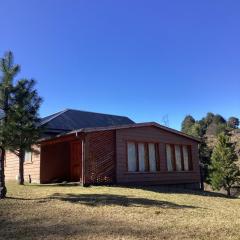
x=100, y=159
x=161, y=137
x=55, y=162
x=31, y=168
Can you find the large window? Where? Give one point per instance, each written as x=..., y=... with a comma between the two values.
x=169, y=157
x=185, y=158
x=179, y=157
x=142, y=157
x=132, y=157
x=152, y=157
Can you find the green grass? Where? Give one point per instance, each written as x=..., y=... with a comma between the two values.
x=74, y=212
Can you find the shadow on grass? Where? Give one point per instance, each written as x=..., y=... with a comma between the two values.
x=172, y=190
x=115, y=200
x=28, y=199
x=63, y=184
x=94, y=200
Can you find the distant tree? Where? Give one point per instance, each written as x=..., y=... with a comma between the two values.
x=233, y=122
x=218, y=119
x=187, y=123
x=195, y=130
x=21, y=130
x=203, y=126
x=216, y=129
x=8, y=71
x=224, y=170
x=209, y=118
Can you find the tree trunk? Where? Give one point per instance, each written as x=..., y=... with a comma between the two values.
x=3, y=189
x=229, y=192
x=21, y=168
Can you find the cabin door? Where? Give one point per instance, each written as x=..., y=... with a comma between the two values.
x=76, y=161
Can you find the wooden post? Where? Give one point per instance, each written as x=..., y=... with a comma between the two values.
x=85, y=161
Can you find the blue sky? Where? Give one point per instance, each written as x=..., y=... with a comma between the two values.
x=144, y=59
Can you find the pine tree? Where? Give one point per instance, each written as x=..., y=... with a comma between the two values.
x=8, y=72
x=21, y=130
x=224, y=171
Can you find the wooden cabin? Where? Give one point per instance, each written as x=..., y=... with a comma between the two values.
x=93, y=148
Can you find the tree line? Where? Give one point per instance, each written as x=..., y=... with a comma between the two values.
x=219, y=163
x=211, y=124
x=19, y=124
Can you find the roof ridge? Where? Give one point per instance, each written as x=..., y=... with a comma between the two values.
x=71, y=109
x=54, y=115
x=51, y=117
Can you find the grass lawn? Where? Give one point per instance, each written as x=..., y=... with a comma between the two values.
x=74, y=212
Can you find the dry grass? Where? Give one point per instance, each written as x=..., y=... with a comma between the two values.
x=73, y=212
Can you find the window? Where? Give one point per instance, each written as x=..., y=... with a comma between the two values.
x=152, y=157
x=132, y=160
x=28, y=156
x=142, y=157
x=169, y=157
x=185, y=158
x=179, y=157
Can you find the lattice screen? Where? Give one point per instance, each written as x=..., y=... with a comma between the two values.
x=101, y=161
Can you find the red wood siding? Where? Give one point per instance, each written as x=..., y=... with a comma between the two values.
x=100, y=157
x=31, y=168
x=76, y=161
x=153, y=134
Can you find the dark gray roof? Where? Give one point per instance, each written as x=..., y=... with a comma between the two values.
x=69, y=120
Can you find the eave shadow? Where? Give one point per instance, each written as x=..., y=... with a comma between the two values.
x=95, y=200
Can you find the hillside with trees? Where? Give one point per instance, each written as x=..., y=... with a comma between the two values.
x=209, y=128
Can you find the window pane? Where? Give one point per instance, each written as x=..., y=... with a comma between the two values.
x=185, y=158
x=28, y=156
x=169, y=157
x=178, y=158
x=141, y=157
x=152, y=157
x=132, y=160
